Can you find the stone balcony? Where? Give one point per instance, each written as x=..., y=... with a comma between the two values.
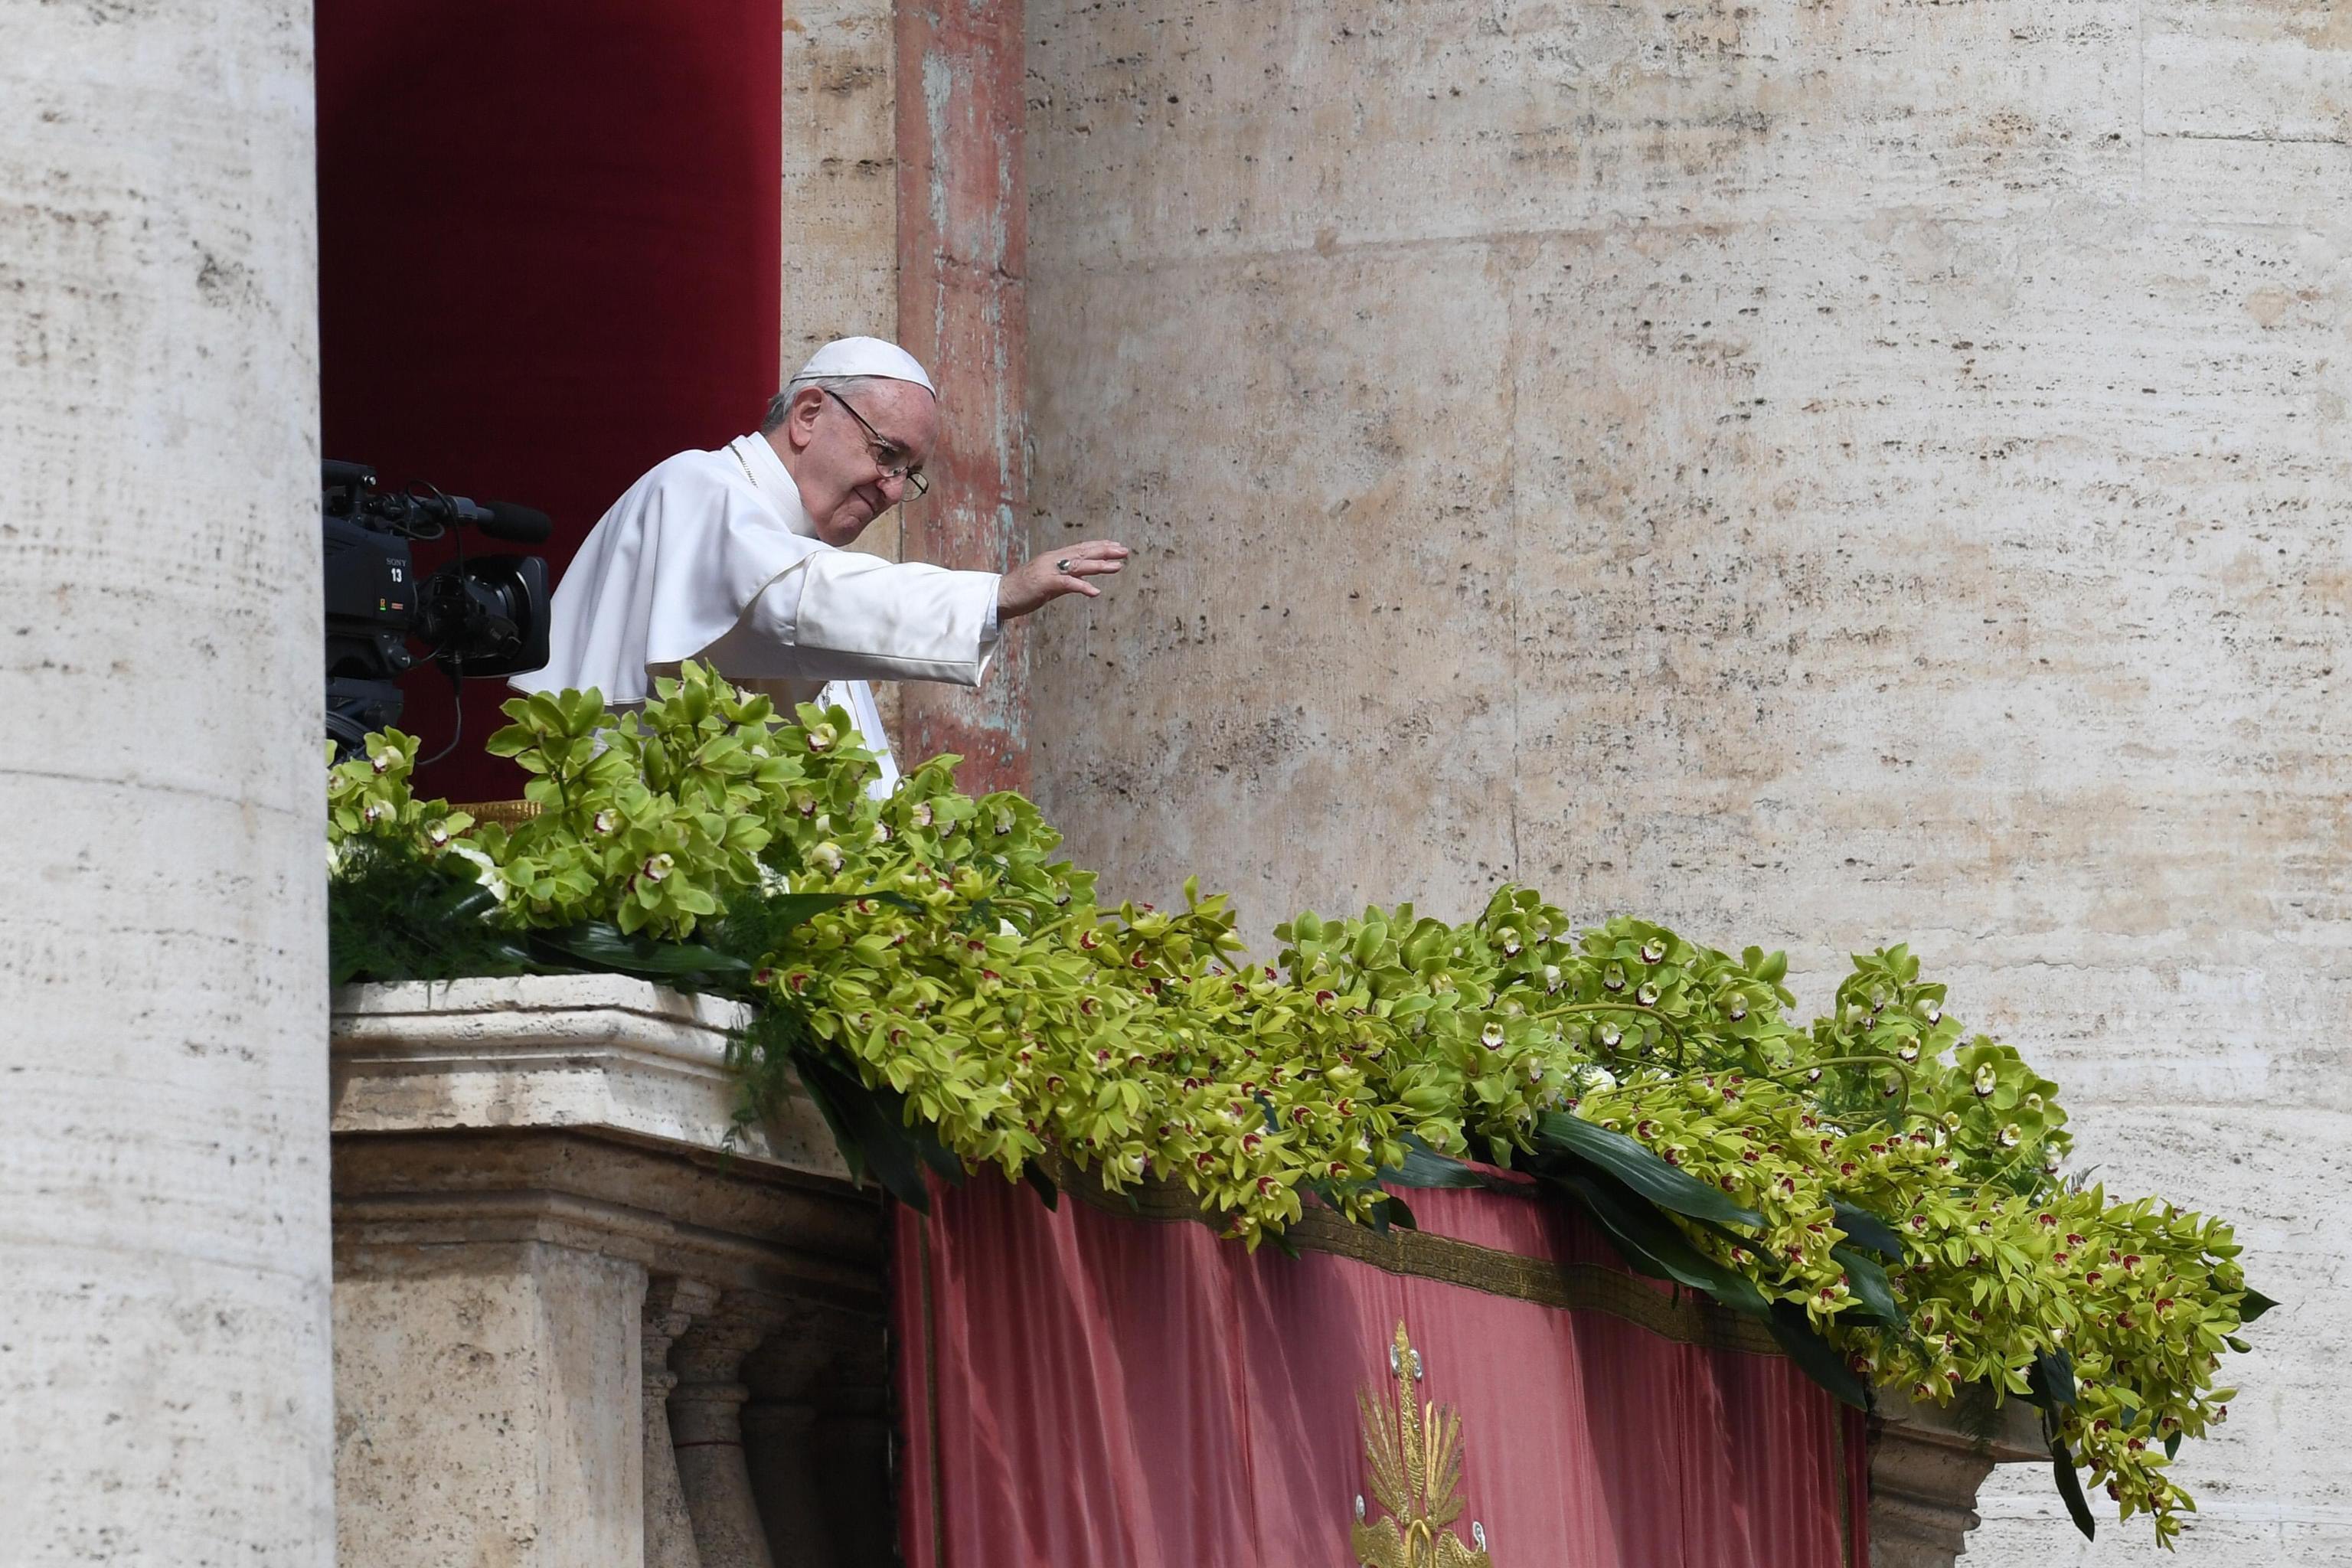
x=575, y=1323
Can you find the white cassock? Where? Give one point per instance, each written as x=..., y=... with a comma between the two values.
x=711, y=556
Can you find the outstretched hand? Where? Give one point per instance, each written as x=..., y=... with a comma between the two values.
x=1047, y=578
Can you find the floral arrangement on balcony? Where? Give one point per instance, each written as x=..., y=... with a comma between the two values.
x=1885, y=1190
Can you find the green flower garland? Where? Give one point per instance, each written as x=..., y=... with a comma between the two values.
x=1881, y=1182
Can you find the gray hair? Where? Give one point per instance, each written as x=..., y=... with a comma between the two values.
x=780, y=406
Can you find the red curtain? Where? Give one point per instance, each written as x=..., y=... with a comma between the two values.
x=549, y=247
x=1082, y=1387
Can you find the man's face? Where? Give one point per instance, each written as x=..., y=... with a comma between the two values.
x=838, y=464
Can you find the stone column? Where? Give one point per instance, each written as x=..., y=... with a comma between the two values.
x=783, y=1443
x=671, y=1305
x=164, y=1209
x=706, y=1413
x=808, y=1437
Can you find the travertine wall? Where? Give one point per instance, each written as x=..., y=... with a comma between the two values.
x=1821, y=475
x=164, y=1392
x=840, y=187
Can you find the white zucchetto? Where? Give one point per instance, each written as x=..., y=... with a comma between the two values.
x=865, y=356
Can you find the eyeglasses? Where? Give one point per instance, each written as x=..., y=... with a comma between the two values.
x=883, y=450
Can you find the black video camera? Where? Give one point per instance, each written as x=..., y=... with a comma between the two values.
x=481, y=615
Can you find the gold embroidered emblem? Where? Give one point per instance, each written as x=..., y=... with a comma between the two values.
x=1414, y=1450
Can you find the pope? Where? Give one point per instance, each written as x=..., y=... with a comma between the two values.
x=740, y=557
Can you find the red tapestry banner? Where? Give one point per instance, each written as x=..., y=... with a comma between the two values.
x=1118, y=1391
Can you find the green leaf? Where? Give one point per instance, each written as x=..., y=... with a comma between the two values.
x=935, y=1155
x=1865, y=1228
x=874, y=1140
x=1047, y=1193
x=1425, y=1167
x=1651, y=1244
x=2253, y=1305
x=1815, y=1356
x=598, y=944
x=2050, y=1381
x=1670, y=1187
x=392, y=914
x=1870, y=1286
x=2070, y=1485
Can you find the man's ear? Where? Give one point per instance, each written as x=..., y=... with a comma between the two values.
x=800, y=419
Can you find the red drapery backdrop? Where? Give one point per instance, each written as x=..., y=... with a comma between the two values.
x=1082, y=1387
x=549, y=247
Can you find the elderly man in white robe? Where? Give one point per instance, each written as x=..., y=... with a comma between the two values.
x=739, y=557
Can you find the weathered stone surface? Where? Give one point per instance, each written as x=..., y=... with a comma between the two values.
x=487, y=1407
x=539, y=1224
x=1925, y=1466
x=1819, y=476
x=706, y=1418
x=164, y=1311
x=671, y=1305
x=840, y=276
x=588, y=1050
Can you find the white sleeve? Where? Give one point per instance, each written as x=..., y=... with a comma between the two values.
x=842, y=614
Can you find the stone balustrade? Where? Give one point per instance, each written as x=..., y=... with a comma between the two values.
x=581, y=1317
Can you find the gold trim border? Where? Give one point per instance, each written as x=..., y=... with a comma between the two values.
x=507, y=812
x=1681, y=1316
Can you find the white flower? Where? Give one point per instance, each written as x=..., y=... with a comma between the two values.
x=606, y=821
x=826, y=856
x=655, y=867
x=486, y=870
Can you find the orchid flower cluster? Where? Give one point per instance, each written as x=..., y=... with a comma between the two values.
x=964, y=966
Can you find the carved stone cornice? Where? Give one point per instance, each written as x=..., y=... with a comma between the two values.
x=573, y=1050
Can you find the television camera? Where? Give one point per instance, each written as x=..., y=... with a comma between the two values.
x=476, y=616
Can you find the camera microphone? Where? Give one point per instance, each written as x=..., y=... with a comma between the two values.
x=503, y=519
x=499, y=519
